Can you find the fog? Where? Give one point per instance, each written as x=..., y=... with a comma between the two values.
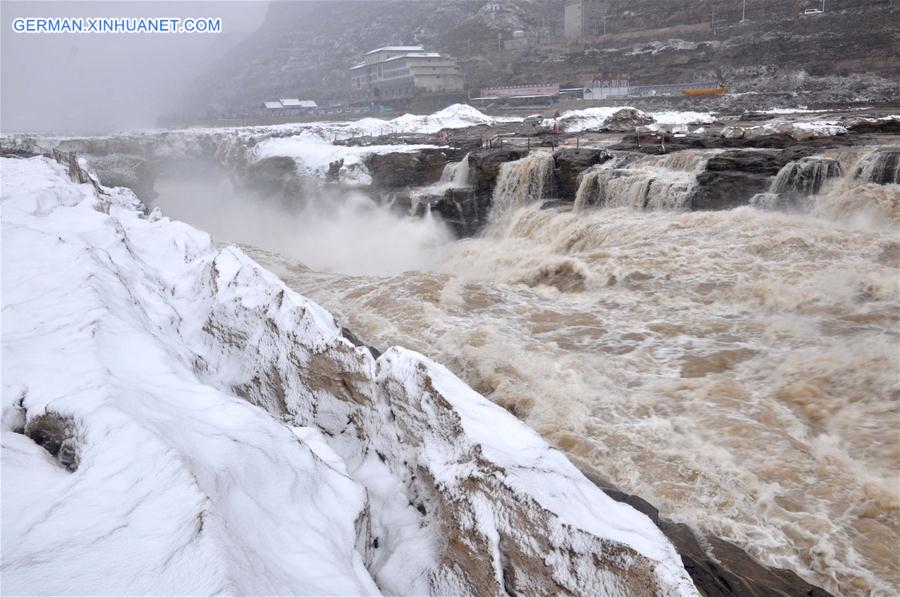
x=95, y=83
x=331, y=231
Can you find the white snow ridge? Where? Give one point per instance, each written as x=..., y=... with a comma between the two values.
x=177, y=421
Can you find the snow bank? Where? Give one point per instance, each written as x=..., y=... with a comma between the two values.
x=180, y=488
x=679, y=122
x=313, y=154
x=575, y=121
x=799, y=131
x=456, y=116
x=226, y=438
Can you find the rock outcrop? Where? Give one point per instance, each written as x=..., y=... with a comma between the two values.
x=572, y=162
x=392, y=171
x=732, y=178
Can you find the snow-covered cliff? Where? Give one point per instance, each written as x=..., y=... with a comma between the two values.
x=177, y=421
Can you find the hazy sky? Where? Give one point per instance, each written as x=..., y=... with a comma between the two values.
x=95, y=82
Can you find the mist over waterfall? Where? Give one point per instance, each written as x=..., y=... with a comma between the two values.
x=329, y=230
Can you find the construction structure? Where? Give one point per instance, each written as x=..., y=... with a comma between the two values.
x=401, y=72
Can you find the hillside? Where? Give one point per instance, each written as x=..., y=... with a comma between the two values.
x=849, y=53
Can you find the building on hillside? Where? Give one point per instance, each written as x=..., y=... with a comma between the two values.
x=298, y=105
x=290, y=106
x=585, y=18
x=404, y=71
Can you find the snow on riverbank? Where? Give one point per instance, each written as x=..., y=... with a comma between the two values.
x=156, y=371
x=314, y=150
x=313, y=154
x=594, y=119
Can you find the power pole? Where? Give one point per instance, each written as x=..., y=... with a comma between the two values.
x=744, y=11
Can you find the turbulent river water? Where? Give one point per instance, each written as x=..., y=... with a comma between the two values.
x=738, y=369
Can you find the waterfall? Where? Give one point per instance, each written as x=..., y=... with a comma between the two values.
x=802, y=185
x=805, y=176
x=521, y=182
x=882, y=167
x=650, y=182
x=456, y=174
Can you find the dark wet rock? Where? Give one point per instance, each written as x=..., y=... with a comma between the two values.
x=275, y=175
x=726, y=189
x=464, y=210
x=485, y=166
x=718, y=567
x=671, y=143
x=726, y=570
x=56, y=434
x=569, y=163
x=890, y=124
x=334, y=170
x=125, y=170
x=357, y=342
x=403, y=170
x=732, y=178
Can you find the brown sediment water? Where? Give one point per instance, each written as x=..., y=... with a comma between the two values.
x=738, y=369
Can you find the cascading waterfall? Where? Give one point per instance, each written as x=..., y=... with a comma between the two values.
x=863, y=186
x=456, y=174
x=806, y=176
x=797, y=182
x=882, y=167
x=651, y=182
x=521, y=182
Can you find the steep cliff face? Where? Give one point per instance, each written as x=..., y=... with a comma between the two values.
x=305, y=48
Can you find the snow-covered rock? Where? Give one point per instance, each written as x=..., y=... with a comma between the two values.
x=191, y=425
x=313, y=154
x=627, y=119
x=457, y=116
x=799, y=131
x=595, y=119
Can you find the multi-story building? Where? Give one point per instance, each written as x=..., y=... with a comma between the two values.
x=404, y=71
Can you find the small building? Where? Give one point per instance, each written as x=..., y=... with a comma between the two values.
x=289, y=106
x=404, y=71
x=298, y=105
